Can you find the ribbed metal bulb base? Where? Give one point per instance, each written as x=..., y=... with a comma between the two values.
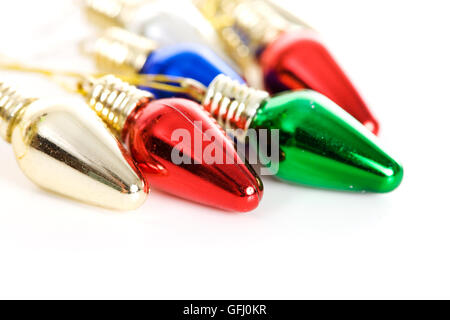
x=119, y=50
x=10, y=105
x=232, y=104
x=252, y=24
x=107, y=9
x=258, y=23
x=113, y=100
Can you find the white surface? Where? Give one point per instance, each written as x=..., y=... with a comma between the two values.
x=300, y=243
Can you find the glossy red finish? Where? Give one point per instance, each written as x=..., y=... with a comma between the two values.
x=148, y=135
x=299, y=60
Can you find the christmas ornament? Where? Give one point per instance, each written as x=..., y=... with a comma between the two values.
x=320, y=144
x=63, y=146
x=290, y=54
x=152, y=129
x=178, y=145
x=121, y=51
x=165, y=22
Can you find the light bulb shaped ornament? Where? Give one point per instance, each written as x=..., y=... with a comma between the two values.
x=290, y=54
x=166, y=22
x=121, y=51
x=320, y=144
x=64, y=147
x=169, y=138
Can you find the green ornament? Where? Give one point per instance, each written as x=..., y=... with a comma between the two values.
x=320, y=144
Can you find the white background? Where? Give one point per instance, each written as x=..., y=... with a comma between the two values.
x=300, y=242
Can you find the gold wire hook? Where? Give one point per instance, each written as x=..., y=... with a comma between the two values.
x=11, y=65
x=187, y=86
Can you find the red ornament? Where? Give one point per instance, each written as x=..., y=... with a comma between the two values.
x=149, y=135
x=298, y=60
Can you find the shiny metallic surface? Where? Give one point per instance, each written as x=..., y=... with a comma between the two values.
x=113, y=100
x=124, y=52
x=320, y=144
x=289, y=53
x=166, y=22
x=10, y=104
x=161, y=131
x=173, y=21
x=187, y=60
x=323, y=146
x=257, y=24
x=233, y=104
x=148, y=131
x=64, y=147
x=300, y=60
x=119, y=50
x=244, y=26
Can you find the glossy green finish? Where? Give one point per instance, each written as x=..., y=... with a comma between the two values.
x=321, y=145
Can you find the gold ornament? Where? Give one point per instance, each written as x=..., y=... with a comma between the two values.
x=64, y=147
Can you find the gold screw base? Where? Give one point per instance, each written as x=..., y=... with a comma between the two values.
x=113, y=100
x=119, y=50
x=10, y=105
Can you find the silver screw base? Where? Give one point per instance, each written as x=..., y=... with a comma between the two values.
x=233, y=104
